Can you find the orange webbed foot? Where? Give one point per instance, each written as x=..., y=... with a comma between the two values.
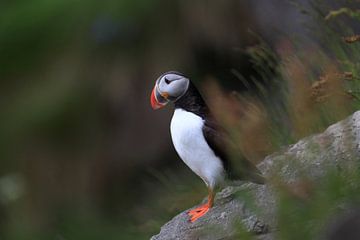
x=198, y=212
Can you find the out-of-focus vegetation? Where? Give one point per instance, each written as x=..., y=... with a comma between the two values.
x=84, y=157
x=319, y=81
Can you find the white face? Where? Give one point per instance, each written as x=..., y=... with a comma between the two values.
x=172, y=85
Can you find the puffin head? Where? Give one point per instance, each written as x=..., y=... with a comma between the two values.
x=169, y=87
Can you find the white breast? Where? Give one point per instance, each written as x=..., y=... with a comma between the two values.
x=190, y=144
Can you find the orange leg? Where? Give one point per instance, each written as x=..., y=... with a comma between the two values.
x=200, y=211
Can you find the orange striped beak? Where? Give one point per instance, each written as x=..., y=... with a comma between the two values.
x=158, y=100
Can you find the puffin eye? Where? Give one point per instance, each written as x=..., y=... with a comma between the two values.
x=166, y=80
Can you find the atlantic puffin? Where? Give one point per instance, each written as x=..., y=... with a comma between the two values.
x=197, y=137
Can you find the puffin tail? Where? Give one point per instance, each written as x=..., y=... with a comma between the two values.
x=256, y=177
x=247, y=172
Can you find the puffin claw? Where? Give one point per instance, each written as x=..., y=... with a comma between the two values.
x=198, y=212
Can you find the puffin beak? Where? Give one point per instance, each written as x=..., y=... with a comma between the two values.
x=157, y=99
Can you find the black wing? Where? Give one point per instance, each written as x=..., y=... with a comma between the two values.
x=219, y=142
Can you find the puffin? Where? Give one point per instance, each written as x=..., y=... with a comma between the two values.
x=198, y=138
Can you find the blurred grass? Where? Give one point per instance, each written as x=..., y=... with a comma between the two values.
x=315, y=84
x=322, y=87
x=334, y=194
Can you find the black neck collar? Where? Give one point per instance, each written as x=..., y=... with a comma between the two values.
x=192, y=101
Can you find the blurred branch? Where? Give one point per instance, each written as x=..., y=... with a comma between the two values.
x=346, y=11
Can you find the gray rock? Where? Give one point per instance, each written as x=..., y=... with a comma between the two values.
x=253, y=207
